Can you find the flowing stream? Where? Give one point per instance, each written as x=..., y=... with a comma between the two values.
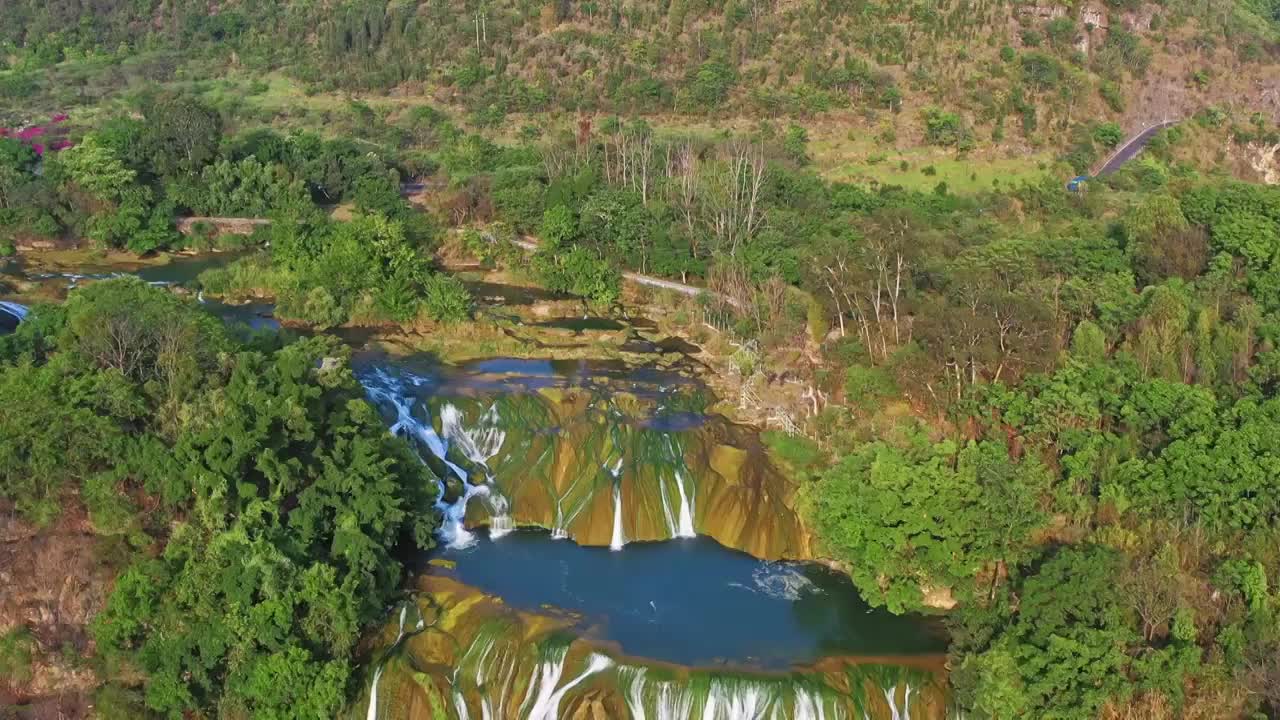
x=178, y=271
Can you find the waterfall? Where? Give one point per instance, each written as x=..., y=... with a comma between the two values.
x=460, y=706
x=560, y=526
x=492, y=668
x=679, y=523
x=808, y=706
x=543, y=692
x=619, y=537
x=382, y=387
x=377, y=673
x=14, y=309
x=480, y=445
x=670, y=700
x=518, y=679
x=889, y=696
x=811, y=704
x=686, y=510
x=729, y=700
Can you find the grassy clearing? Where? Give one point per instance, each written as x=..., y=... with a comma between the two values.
x=919, y=170
x=853, y=157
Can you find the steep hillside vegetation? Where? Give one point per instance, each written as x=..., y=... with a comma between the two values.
x=959, y=73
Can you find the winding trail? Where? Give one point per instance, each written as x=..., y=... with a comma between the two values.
x=1130, y=148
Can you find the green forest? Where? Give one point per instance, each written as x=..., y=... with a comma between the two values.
x=251, y=497
x=1054, y=414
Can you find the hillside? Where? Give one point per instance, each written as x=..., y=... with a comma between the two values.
x=999, y=79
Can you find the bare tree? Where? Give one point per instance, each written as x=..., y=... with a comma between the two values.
x=1152, y=586
x=682, y=167
x=628, y=159
x=732, y=201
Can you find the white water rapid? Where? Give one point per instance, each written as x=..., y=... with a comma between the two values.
x=619, y=536
x=377, y=673
x=685, y=530
x=481, y=444
x=543, y=692
x=478, y=445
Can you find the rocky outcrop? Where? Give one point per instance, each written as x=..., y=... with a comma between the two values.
x=568, y=459
x=220, y=225
x=1265, y=160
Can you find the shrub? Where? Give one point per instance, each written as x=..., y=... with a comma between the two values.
x=445, y=298
x=816, y=321
x=1112, y=95
x=16, y=87
x=578, y=271
x=947, y=129
x=319, y=308
x=1041, y=71
x=1108, y=134
x=867, y=387
x=16, y=654
x=558, y=225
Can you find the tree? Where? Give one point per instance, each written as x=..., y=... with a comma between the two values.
x=1071, y=634
x=17, y=156
x=732, y=199
x=947, y=129
x=297, y=495
x=247, y=188
x=796, y=145
x=1108, y=134
x=1162, y=241
x=182, y=135
x=96, y=168
x=923, y=516
x=1249, y=235
x=60, y=428
x=559, y=226
x=145, y=333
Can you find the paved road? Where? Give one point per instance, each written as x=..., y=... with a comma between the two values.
x=1130, y=148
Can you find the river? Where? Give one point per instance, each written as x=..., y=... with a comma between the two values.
x=175, y=271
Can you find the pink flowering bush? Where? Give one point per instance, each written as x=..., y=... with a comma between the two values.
x=50, y=136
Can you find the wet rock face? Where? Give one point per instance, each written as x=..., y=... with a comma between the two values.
x=611, y=462
x=597, y=470
x=602, y=455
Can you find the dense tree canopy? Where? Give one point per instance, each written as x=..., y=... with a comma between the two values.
x=274, y=489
